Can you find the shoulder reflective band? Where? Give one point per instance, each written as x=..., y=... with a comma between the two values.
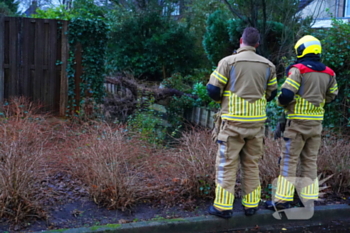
x=293, y=83
x=334, y=88
x=272, y=81
x=220, y=77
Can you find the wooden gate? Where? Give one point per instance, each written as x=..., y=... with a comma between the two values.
x=33, y=58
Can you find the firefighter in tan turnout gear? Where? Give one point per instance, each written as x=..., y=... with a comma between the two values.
x=309, y=85
x=242, y=83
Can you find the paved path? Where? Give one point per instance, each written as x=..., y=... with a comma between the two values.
x=263, y=221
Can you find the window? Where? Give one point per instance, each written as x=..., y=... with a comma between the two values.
x=347, y=8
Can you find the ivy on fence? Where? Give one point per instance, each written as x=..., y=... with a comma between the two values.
x=89, y=35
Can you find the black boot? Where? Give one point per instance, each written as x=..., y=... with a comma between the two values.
x=307, y=203
x=278, y=205
x=222, y=214
x=250, y=211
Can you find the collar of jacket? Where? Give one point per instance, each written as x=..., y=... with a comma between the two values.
x=246, y=48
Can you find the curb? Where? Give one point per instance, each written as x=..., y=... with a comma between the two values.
x=322, y=215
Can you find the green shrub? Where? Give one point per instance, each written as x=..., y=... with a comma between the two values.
x=216, y=40
x=5, y=9
x=9, y=7
x=59, y=12
x=149, y=124
x=336, y=54
x=178, y=82
x=152, y=46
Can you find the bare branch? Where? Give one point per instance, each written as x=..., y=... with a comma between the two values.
x=234, y=11
x=157, y=93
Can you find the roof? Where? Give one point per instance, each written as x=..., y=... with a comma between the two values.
x=303, y=4
x=32, y=9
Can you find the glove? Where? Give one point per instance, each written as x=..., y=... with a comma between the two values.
x=281, y=126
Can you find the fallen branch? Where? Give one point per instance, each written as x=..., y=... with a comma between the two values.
x=139, y=89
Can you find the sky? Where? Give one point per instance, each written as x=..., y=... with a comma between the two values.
x=24, y=4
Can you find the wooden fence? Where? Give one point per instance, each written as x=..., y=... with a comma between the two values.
x=116, y=89
x=200, y=116
x=33, y=58
x=111, y=87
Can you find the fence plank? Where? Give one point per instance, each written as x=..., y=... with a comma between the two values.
x=200, y=116
x=11, y=79
x=31, y=58
x=45, y=65
x=204, y=117
x=211, y=119
x=52, y=76
x=26, y=64
x=64, y=79
x=39, y=59
x=19, y=53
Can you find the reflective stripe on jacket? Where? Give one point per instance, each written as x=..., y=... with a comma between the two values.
x=246, y=80
x=312, y=90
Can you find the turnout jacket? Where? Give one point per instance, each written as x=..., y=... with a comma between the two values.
x=243, y=83
x=311, y=89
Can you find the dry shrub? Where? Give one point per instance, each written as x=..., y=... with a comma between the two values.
x=22, y=162
x=110, y=164
x=334, y=159
x=268, y=166
x=20, y=108
x=189, y=169
x=192, y=169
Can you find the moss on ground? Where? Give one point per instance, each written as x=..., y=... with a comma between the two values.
x=94, y=228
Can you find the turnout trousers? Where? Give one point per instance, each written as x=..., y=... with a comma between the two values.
x=302, y=140
x=238, y=145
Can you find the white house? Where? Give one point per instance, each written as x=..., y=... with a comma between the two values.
x=323, y=10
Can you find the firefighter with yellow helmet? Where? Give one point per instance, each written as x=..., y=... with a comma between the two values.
x=308, y=87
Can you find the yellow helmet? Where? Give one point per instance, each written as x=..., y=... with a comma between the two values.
x=307, y=44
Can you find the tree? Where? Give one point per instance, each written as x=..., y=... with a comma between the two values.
x=140, y=4
x=5, y=10
x=223, y=34
x=40, y=3
x=258, y=13
x=8, y=7
x=66, y=3
x=86, y=9
x=216, y=41
x=151, y=45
